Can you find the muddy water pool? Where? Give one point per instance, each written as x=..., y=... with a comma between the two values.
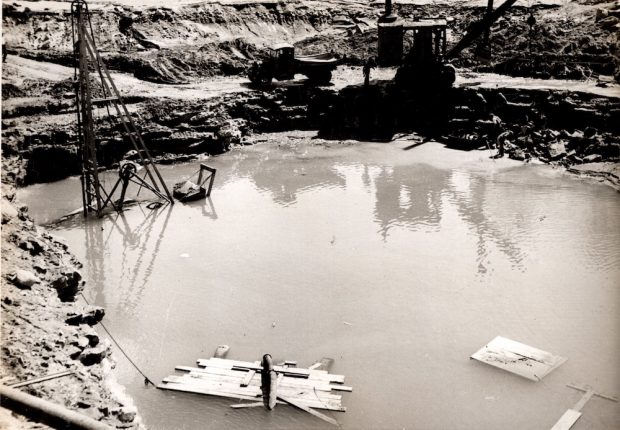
x=397, y=263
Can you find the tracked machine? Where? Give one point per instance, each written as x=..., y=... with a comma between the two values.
x=427, y=64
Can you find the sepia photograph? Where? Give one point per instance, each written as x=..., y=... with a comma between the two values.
x=310, y=215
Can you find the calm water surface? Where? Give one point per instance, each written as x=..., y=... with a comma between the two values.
x=399, y=264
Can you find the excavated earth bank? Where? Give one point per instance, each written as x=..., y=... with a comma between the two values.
x=46, y=325
x=48, y=328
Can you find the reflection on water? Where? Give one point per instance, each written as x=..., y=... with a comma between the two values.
x=415, y=201
x=283, y=177
x=407, y=200
x=132, y=245
x=472, y=197
x=397, y=264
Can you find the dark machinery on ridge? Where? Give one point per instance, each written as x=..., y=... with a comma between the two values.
x=426, y=65
x=283, y=64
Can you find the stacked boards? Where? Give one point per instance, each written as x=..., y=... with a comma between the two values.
x=312, y=388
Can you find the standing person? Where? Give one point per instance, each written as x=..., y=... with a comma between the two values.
x=502, y=139
x=369, y=64
x=4, y=52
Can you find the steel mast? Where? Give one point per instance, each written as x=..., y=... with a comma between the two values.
x=95, y=198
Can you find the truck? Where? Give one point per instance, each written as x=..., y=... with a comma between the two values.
x=283, y=64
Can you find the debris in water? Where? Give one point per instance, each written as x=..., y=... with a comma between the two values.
x=515, y=357
x=571, y=416
x=187, y=191
x=221, y=351
x=306, y=389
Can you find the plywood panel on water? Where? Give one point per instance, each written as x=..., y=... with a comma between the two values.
x=523, y=360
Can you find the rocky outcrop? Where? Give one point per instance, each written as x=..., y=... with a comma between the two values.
x=46, y=328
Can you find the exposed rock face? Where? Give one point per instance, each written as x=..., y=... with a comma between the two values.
x=91, y=315
x=546, y=125
x=95, y=355
x=557, y=150
x=67, y=285
x=38, y=273
x=23, y=278
x=50, y=163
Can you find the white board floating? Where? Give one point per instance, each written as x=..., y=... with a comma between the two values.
x=567, y=420
x=518, y=358
x=571, y=416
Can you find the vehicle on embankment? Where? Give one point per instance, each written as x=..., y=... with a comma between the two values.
x=282, y=64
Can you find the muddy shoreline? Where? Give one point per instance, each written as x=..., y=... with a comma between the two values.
x=564, y=128
x=48, y=328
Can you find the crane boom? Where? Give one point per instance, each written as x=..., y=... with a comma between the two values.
x=478, y=28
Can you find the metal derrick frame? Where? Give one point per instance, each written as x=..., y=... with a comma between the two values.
x=95, y=198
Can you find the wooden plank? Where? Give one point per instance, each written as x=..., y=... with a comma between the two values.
x=224, y=385
x=567, y=420
x=582, y=402
x=198, y=390
x=586, y=388
x=213, y=361
x=220, y=386
x=253, y=405
x=338, y=387
x=322, y=375
x=41, y=379
x=188, y=379
x=248, y=378
x=310, y=394
x=208, y=390
x=217, y=380
x=246, y=405
x=242, y=374
x=214, y=376
x=320, y=400
x=325, y=377
x=295, y=383
x=309, y=410
x=217, y=362
x=315, y=374
x=230, y=390
x=215, y=371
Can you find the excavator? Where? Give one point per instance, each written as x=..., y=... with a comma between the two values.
x=427, y=65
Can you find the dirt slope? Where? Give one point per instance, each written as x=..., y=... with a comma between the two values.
x=171, y=45
x=46, y=326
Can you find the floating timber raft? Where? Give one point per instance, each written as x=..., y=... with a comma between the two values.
x=304, y=388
